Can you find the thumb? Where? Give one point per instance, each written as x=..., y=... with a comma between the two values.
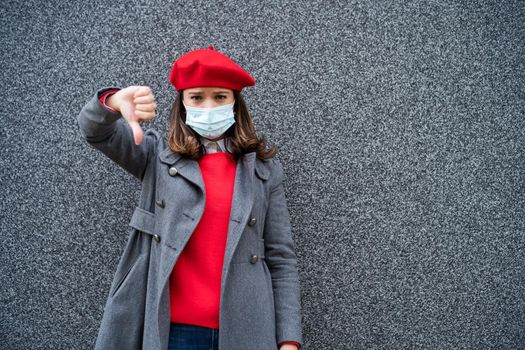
x=138, y=133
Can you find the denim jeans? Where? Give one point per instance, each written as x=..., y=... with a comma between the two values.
x=192, y=337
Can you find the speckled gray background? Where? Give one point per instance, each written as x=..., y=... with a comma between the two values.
x=400, y=126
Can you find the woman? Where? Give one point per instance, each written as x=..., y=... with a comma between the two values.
x=211, y=248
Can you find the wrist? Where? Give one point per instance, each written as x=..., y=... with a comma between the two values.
x=111, y=102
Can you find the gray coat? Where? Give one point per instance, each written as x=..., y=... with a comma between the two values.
x=260, y=290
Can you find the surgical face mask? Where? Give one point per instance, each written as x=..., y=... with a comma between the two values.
x=210, y=122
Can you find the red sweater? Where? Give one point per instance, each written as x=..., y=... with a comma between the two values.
x=195, y=281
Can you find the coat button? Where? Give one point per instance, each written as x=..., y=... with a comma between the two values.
x=160, y=203
x=252, y=221
x=173, y=171
x=156, y=237
x=253, y=259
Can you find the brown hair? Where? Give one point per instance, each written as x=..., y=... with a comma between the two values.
x=244, y=139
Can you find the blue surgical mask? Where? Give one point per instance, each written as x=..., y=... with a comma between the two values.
x=210, y=122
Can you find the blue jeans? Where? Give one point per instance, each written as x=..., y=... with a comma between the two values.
x=192, y=337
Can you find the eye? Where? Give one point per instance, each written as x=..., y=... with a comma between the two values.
x=195, y=97
x=221, y=97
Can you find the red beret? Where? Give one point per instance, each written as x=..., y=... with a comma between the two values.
x=208, y=67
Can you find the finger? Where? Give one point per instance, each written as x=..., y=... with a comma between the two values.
x=144, y=115
x=142, y=91
x=138, y=133
x=144, y=99
x=146, y=107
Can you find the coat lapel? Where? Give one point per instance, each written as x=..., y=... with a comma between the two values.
x=187, y=168
x=242, y=203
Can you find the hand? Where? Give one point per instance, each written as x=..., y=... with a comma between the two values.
x=135, y=103
x=288, y=347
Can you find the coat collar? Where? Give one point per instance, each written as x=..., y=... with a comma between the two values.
x=168, y=156
x=192, y=173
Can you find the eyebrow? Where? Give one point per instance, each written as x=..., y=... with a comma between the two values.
x=215, y=92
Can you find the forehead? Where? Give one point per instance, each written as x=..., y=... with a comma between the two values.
x=208, y=90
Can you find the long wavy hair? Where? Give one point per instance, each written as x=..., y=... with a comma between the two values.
x=244, y=139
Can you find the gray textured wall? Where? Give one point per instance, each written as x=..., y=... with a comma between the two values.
x=400, y=126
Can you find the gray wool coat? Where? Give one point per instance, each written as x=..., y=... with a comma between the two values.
x=260, y=290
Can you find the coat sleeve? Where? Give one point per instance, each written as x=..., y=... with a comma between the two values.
x=282, y=261
x=108, y=132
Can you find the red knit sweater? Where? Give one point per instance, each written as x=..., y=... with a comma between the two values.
x=195, y=281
